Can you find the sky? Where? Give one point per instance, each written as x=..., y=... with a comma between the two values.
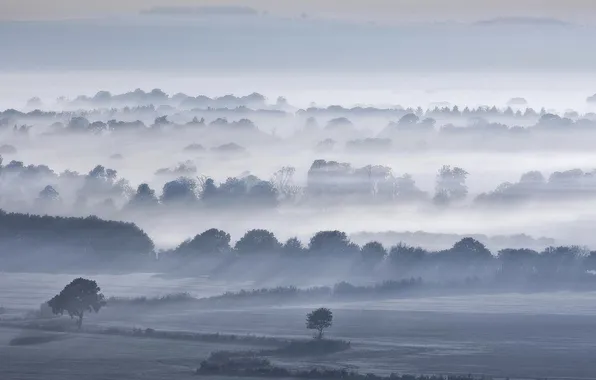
x=582, y=11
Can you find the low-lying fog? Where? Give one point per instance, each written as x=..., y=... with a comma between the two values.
x=295, y=131
x=558, y=91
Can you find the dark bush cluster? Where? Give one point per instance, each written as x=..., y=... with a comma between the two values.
x=30, y=234
x=252, y=365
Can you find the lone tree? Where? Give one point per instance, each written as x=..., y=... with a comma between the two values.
x=319, y=320
x=76, y=298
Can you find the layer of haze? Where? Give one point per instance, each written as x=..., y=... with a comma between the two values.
x=371, y=10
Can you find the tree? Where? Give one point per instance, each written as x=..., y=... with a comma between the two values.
x=181, y=190
x=208, y=190
x=263, y=194
x=258, y=241
x=373, y=251
x=319, y=320
x=76, y=298
x=408, y=119
x=405, y=257
x=332, y=243
x=210, y=242
x=339, y=124
x=517, y=262
x=293, y=247
x=78, y=124
x=283, y=181
x=450, y=185
x=469, y=249
x=406, y=189
x=145, y=196
x=48, y=195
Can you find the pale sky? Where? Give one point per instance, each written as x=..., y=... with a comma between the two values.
x=366, y=10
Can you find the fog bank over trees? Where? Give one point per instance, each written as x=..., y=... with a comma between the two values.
x=177, y=163
x=57, y=244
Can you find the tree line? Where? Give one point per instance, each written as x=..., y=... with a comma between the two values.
x=24, y=235
x=566, y=261
x=453, y=122
x=102, y=191
x=34, y=241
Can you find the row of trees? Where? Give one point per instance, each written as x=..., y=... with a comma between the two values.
x=409, y=122
x=467, y=253
x=442, y=111
x=248, y=191
x=24, y=237
x=567, y=184
x=157, y=97
x=81, y=124
x=103, y=191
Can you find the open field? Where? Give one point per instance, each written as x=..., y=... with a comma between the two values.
x=81, y=356
x=517, y=336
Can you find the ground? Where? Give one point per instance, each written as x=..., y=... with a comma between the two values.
x=516, y=336
x=94, y=357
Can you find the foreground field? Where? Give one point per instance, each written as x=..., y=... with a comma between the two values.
x=515, y=336
x=498, y=345
x=82, y=356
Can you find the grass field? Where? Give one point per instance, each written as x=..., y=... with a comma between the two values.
x=516, y=336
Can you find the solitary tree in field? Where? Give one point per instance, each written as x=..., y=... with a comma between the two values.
x=319, y=320
x=78, y=297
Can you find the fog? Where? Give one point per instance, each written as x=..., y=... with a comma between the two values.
x=208, y=178
x=340, y=162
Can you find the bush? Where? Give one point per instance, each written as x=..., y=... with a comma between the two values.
x=250, y=365
x=31, y=340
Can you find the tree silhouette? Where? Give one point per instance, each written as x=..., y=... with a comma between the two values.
x=450, y=185
x=293, y=247
x=470, y=250
x=48, y=195
x=145, y=196
x=332, y=243
x=210, y=242
x=319, y=320
x=258, y=241
x=283, y=181
x=373, y=251
x=181, y=190
x=76, y=298
x=74, y=236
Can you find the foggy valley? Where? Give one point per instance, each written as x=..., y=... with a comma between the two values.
x=225, y=192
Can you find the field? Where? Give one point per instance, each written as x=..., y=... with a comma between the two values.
x=516, y=336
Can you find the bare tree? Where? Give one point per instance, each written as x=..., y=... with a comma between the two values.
x=283, y=181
